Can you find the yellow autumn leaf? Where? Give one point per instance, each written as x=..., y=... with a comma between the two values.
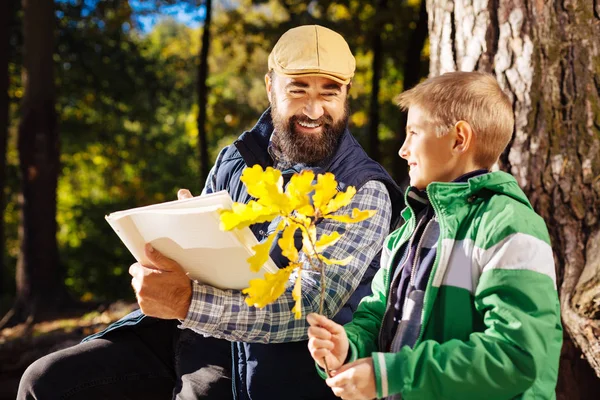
x=301, y=220
x=262, y=292
x=299, y=188
x=243, y=215
x=327, y=240
x=261, y=253
x=357, y=216
x=309, y=236
x=258, y=180
x=286, y=243
x=306, y=211
x=325, y=189
x=297, y=295
x=266, y=186
x=340, y=200
x=330, y=261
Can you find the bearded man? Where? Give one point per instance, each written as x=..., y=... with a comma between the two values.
x=193, y=341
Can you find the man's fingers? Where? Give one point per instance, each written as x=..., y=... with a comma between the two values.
x=184, y=194
x=158, y=260
x=324, y=322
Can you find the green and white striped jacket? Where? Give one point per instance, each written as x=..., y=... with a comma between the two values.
x=491, y=318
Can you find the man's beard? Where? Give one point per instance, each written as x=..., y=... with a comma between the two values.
x=307, y=148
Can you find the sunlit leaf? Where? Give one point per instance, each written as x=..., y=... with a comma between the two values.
x=299, y=189
x=327, y=240
x=261, y=253
x=340, y=200
x=266, y=186
x=297, y=295
x=262, y=292
x=309, y=238
x=357, y=216
x=330, y=261
x=286, y=243
x=325, y=189
x=243, y=215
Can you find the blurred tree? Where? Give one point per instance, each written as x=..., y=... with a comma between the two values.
x=546, y=56
x=40, y=288
x=414, y=70
x=202, y=92
x=6, y=13
x=378, y=22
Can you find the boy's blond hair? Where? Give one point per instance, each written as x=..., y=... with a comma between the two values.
x=473, y=97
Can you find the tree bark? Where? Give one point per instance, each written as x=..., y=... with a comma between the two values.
x=40, y=288
x=203, y=94
x=546, y=56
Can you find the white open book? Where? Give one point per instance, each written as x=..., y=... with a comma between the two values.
x=188, y=232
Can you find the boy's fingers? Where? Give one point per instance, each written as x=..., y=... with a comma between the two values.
x=321, y=344
x=319, y=333
x=339, y=378
x=324, y=322
x=184, y=194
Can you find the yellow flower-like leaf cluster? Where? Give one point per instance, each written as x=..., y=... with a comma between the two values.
x=300, y=206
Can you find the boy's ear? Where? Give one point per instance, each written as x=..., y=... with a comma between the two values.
x=463, y=137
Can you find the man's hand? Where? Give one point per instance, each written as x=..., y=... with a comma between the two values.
x=328, y=340
x=163, y=289
x=184, y=194
x=354, y=381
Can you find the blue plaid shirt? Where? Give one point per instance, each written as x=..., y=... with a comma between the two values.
x=224, y=313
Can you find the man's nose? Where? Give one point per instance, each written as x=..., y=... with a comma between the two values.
x=313, y=109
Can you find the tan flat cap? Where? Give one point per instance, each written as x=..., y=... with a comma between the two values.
x=313, y=50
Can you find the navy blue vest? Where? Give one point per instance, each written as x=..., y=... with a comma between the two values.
x=286, y=370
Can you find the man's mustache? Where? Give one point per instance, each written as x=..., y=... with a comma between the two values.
x=324, y=119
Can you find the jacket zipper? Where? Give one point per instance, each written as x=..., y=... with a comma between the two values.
x=413, y=272
x=388, y=284
x=433, y=269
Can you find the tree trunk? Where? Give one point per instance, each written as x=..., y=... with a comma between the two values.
x=39, y=285
x=6, y=12
x=203, y=94
x=546, y=55
x=412, y=75
x=376, y=67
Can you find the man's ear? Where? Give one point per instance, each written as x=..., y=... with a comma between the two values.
x=268, y=86
x=463, y=137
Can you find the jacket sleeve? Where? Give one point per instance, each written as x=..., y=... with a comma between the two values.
x=516, y=295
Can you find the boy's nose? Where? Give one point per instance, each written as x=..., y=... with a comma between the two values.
x=403, y=152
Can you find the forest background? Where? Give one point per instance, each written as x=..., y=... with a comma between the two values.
x=107, y=105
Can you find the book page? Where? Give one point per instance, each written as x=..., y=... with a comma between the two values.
x=191, y=236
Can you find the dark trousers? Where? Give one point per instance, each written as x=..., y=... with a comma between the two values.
x=151, y=361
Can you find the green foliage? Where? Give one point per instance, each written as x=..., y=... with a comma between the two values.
x=126, y=102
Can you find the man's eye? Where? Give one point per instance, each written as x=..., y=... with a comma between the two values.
x=296, y=91
x=329, y=94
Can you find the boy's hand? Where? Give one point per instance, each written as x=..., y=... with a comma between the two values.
x=328, y=340
x=354, y=381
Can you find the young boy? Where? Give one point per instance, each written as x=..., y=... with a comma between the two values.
x=465, y=304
